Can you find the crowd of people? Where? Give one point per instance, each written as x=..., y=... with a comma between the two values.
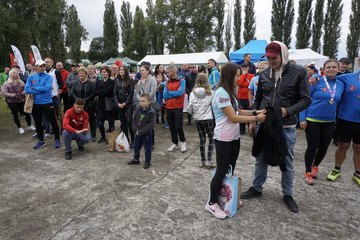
x=267, y=101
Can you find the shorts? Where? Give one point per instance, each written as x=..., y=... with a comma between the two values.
x=347, y=131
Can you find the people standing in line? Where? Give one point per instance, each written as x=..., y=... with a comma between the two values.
x=71, y=78
x=243, y=91
x=348, y=125
x=143, y=126
x=85, y=89
x=40, y=85
x=64, y=96
x=214, y=75
x=106, y=103
x=255, y=81
x=283, y=86
x=124, y=91
x=75, y=127
x=200, y=108
x=147, y=84
x=190, y=80
x=227, y=132
x=318, y=119
x=344, y=65
x=13, y=90
x=174, y=94
x=247, y=61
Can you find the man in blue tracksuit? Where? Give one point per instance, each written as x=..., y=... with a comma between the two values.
x=40, y=86
x=348, y=125
x=214, y=75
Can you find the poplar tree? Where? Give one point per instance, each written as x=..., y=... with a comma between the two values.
x=282, y=19
x=353, y=38
x=228, y=41
x=332, y=29
x=249, y=22
x=151, y=26
x=317, y=25
x=96, y=50
x=237, y=24
x=110, y=31
x=161, y=19
x=125, y=28
x=139, y=40
x=75, y=33
x=219, y=27
x=303, y=30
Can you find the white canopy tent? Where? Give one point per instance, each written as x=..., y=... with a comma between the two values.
x=306, y=56
x=186, y=58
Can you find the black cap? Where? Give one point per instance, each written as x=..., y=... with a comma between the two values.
x=75, y=65
x=345, y=60
x=145, y=63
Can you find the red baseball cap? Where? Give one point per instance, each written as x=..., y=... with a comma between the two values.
x=272, y=49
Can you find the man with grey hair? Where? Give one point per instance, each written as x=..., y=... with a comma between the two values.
x=174, y=93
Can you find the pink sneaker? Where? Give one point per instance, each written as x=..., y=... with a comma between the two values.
x=215, y=210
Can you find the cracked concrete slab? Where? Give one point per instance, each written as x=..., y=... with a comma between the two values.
x=97, y=195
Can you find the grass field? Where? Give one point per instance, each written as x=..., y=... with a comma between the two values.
x=6, y=120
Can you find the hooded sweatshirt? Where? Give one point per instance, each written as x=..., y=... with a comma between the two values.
x=200, y=104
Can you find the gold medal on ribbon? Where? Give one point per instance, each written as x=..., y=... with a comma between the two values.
x=331, y=101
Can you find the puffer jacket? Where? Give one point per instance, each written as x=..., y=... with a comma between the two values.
x=291, y=90
x=200, y=104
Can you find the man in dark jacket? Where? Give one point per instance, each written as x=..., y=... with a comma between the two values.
x=190, y=80
x=284, y=85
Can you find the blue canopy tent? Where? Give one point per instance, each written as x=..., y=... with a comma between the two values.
x=255, y=47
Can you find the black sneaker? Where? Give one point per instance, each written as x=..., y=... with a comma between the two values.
x=81, y=148
x=146, y=165
x=134, y=162
x=251, y=193
x=102, y=140
x=93, y=139
x=68, y=155
x=291, y=204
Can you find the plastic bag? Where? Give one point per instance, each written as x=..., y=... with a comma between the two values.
x=122, y=144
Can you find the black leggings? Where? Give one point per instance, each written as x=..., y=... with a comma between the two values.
x=226, y=154
x=318, y=136
x=17, y=108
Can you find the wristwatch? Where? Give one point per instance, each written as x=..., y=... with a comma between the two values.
x=254, y=112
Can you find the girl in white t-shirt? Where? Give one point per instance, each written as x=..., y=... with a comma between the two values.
x=227, y=131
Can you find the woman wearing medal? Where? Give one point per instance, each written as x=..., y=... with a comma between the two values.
x=319, y=119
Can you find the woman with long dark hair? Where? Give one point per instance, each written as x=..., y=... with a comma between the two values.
x=124, y=91
x=227, y=133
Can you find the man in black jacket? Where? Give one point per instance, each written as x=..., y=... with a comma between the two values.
x=284, y=85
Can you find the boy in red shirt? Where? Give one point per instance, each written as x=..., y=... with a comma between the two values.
x=75, y=125
x=243, y=91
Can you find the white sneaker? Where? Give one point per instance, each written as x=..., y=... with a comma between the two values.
x=183, y=146
x=209, y=164
x=47, y=135
x=21, y=130
x=173, y=148
x=31, y=128
x=215, y=210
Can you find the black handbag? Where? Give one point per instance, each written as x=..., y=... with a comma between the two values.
x=110, y=103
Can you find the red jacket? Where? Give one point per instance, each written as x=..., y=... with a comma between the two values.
x=243, y=85
x=75, y=121
x=64, y=75
x=174, y=93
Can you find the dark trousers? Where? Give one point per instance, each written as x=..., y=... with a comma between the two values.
x=64, y=97
x=49, y=111
x=226, y=154
x=206, y=127
x=244, y=103
x=145, y=140
x=92, y=120
x=125, y=116
x=175, y=121
x=70, y=103
x=80, y=139
x=318, y=136
x=17, y=108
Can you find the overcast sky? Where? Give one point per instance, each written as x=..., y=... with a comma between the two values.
x=91, y=16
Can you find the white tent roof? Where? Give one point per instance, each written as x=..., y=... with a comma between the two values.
x=185, y=58
x=306, y=56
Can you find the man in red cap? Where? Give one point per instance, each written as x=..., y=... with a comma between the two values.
x=283, y=87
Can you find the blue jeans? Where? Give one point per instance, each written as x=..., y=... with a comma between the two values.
x=81, y=139
x=287, y=177
x=145, y=140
